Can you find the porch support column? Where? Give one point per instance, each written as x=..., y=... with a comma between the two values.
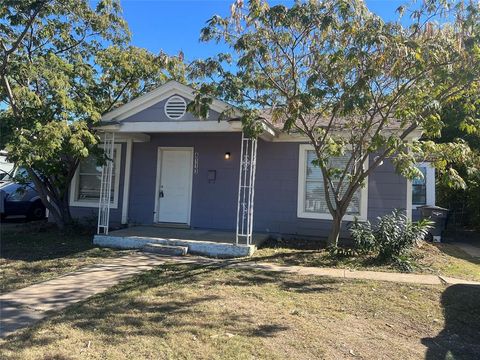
x=246, y=190
x=106, y=184
x=126, y=183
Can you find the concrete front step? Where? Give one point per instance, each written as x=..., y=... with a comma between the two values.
x=197, y=247
x=165, y=249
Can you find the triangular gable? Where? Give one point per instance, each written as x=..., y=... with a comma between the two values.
x=153, y=97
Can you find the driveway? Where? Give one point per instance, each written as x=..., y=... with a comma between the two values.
x=470, y=249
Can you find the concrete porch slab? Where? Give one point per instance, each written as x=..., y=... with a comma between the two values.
x=202, y=242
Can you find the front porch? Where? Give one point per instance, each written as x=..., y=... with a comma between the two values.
x=177, y=169
x=214, y=243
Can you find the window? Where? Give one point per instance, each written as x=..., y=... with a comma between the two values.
x=311, y=193
x=85, y=188
x=423, y=188
x=419, y=188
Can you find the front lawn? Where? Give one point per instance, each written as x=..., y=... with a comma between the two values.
x=34, y=252
x=439, y=259
x=207, y=312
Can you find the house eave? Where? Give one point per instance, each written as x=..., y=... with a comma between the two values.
x=297, y=137
x=124, y=137
x=173, y=127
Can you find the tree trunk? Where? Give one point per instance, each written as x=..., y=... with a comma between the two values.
x=53, y=214
x=58, y=207
x=335, y=232
x=64, y=210
x=59, y=210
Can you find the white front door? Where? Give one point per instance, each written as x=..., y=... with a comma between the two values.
x=174, y=185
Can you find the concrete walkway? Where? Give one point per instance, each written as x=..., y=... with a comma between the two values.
x=22, y=308
x=25, y=306
x=353, y=274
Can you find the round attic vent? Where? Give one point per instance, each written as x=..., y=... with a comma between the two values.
x=175, y=107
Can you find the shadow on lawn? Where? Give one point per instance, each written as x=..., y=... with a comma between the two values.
x=168, y=301
x=319, y=258
x=182, y=301
x=294, y=243
x=304, y=252
x=460, y=338
x=38, y=241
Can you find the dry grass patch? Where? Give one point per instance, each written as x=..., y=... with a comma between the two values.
x=438, y=259
x=209, y=312
x=449, y=260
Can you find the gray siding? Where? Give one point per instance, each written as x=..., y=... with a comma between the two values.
x=156, y=113
x=214, y=205
x=416, y=214
x=276, y=192
x=277, y=186
x=386, y=191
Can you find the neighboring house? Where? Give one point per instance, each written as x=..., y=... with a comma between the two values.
x=172, y=168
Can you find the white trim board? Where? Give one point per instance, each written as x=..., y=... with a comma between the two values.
x=126, y=182
x=180, y=126
x=409, y=199
x=301, y=213
x=122, y=137
x=116, y=187
x=295, y=137
x=430, y=185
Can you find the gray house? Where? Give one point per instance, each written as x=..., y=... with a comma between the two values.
x=175, y=178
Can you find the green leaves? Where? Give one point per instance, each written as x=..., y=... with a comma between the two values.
x=64, y=63
x=252, y=127
x=200, y=106
x=345, y=79
x=392, y=237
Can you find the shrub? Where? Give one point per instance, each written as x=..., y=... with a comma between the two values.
x=363, y=239
x=403, y=263
x=393, y=236
x=340, y=252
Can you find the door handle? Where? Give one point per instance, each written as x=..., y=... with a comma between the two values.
x=161, y=195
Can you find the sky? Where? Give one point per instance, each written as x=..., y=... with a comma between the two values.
x=174, y=25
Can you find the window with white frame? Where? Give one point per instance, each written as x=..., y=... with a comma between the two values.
x=85, y=188
x=311, y=191
x=419, y=187
x=423, y=187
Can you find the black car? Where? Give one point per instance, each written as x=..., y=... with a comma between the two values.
x=23, y=200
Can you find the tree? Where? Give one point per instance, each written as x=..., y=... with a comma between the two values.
x=63, y=63
x=349, y=82
x=462, y=121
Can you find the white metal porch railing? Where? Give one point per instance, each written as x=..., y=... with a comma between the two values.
x=246, y=190
x=106, y=184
